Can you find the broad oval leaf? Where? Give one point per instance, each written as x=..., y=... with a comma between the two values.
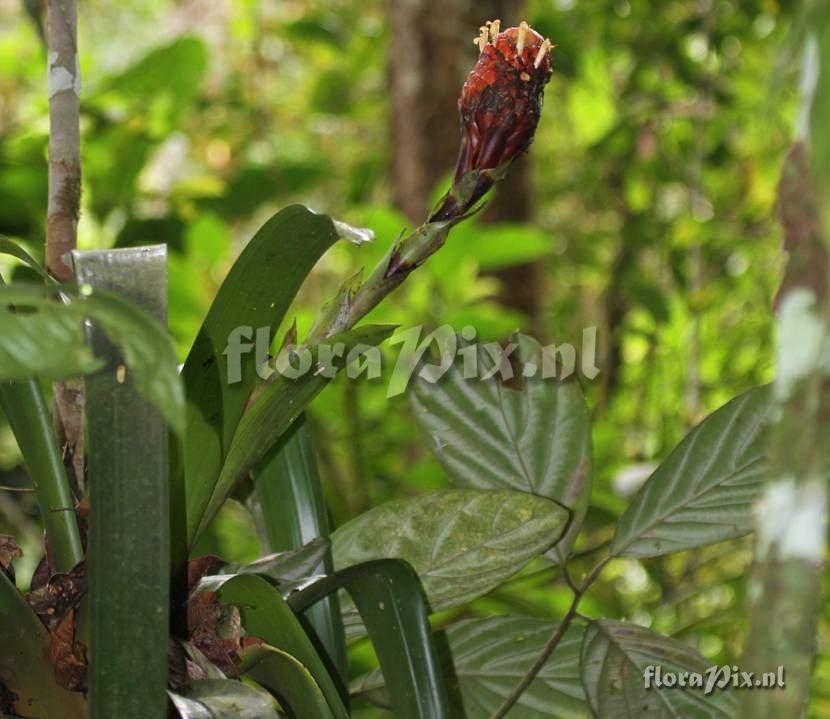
x=705, y=489
x=615, y=657
x=490, y=657
x=224, y=699
x=488, y=435
x=461, y=542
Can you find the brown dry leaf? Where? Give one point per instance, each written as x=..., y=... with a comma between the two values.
x=61, y=593
x=212, y=628
x=9, y=551
x=68, y=656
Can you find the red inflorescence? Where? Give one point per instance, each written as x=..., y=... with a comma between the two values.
x=501, y=100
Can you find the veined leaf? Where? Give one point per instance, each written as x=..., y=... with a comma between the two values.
x=256, y=294
x=705, y=489
x=461, y=542
x=41, y=338
x=388, y=596
x=292, y=565
x=282, y=401
x=615, y=658
x=488, y=435
x=7, y=247
x=265, y=614
x=224, y=699
x=288, y=679
x=490, y=656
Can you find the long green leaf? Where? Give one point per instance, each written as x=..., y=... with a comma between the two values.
x=389, y=598
x=25, y=668
x=7, y=247
x=294, y=513
x=265, y=614
x=256, y=294
x=129, y=538
x=491, y=655
x=490, y=435
x=704, y=491
x=615, y=661
x=461, y=542
x=286, y=677
x=280, y=404
x=25, y=408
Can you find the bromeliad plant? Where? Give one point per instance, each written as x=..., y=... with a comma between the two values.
x=123, y=620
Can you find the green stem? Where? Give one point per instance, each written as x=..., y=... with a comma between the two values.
x=25, y=407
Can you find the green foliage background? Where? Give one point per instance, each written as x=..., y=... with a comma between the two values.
x=654, y=178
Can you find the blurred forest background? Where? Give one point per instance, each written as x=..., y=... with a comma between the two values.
x=646, y=209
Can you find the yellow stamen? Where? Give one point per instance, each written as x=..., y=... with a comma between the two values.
x=483, y=38
x=544, y=50
x=495, y=26
x=522, y=36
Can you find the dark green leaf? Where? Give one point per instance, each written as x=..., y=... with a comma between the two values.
x=262, y=425
x=388, y=596
x=705, y=489
x=615, y=656
x=491, y=436
x=129, y=523
x=293, y=565
x=256, y=293
x=461, y=542
x=489, y=658
x=293, y=512
x=289, y=680
x=265, y=614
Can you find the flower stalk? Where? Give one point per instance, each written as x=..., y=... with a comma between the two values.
x=500, y=106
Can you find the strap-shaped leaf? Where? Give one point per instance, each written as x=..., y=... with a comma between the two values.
x=279, y=405
x=265, y=614
x=616, y=657
x=390, y=600
x=292, y=512
x=491, y=435
x=461, y=542
x=490, y=656
x=704, y=491
x=256, y=293
x=289, y=680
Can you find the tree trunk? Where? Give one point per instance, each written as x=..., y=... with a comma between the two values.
x=64, y=197
x=425, y=77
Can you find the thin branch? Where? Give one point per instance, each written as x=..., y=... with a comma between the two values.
x=552, y=643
